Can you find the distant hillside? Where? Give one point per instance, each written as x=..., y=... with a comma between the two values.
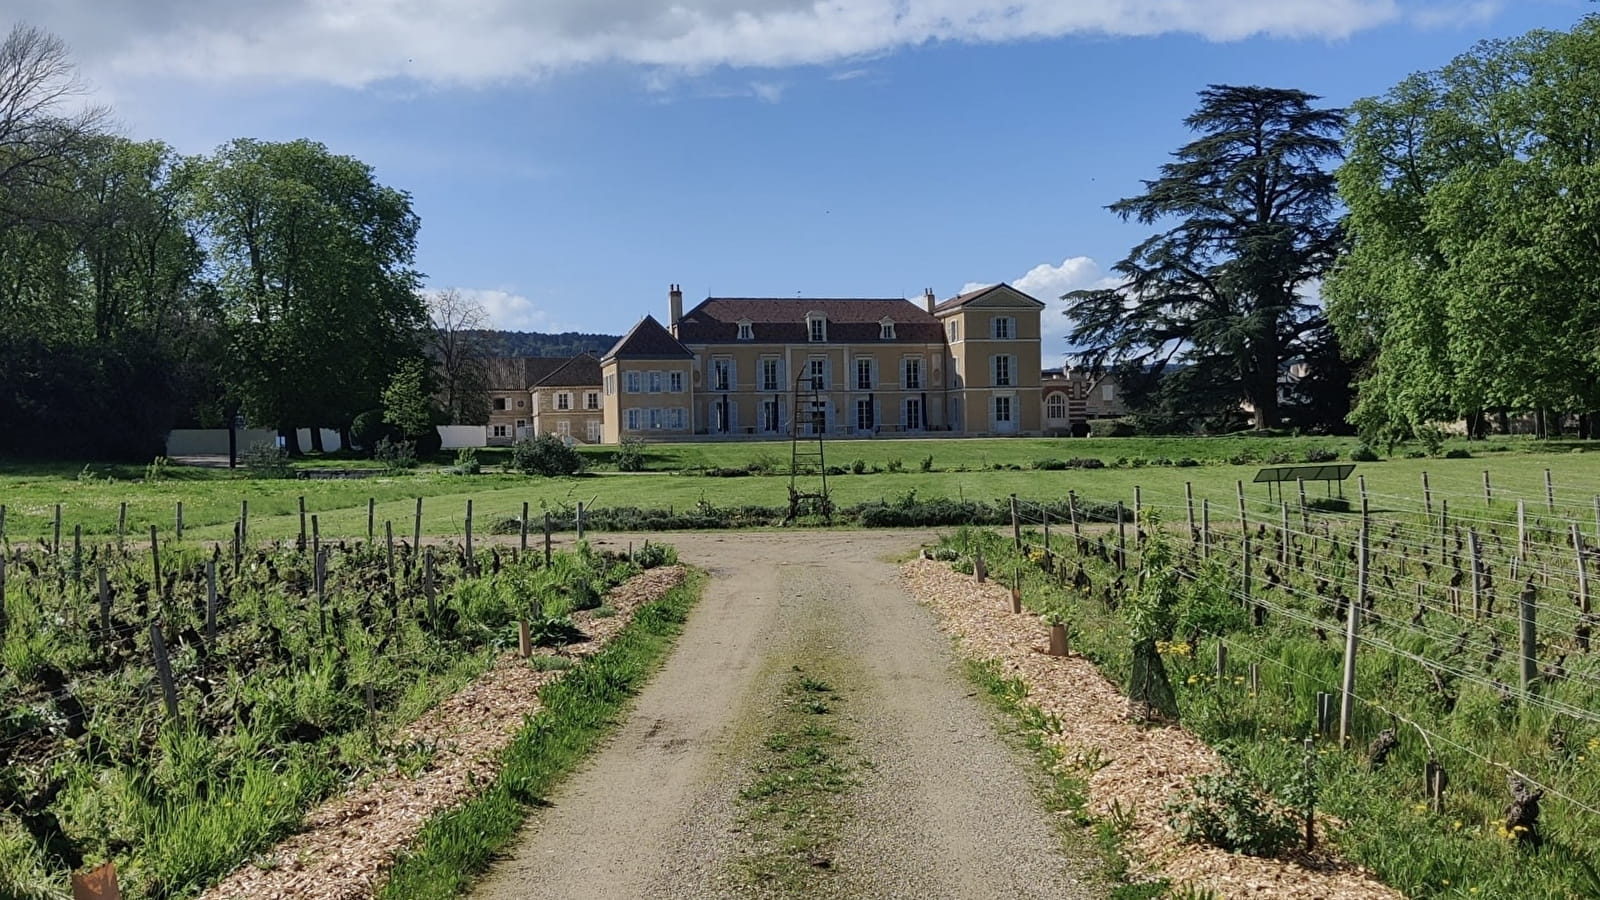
x=533, y=343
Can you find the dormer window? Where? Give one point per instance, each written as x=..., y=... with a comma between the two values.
x=817, y=327
x=886, y=330
x=746, y=333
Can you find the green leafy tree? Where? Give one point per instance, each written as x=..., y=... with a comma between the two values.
x=316, y=279
x=1474, y=198
x=1213, y=308
x=406, y=400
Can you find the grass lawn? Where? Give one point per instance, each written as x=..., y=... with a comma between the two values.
x=962, y=468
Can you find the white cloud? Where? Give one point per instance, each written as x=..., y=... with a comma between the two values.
x=358, y=43
x=1046, y=283
x=509, y=311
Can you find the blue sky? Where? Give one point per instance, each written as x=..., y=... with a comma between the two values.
x=571, y=158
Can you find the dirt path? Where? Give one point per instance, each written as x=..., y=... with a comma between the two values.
x=943, y=807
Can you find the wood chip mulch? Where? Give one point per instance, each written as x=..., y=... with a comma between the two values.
x=1144, y=766
x=347, y=845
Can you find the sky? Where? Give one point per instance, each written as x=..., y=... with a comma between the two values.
x=570, y=159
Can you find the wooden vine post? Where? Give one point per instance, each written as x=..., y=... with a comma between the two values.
x=1522, y=530
x=1138, y=518
x=180, y=520
x=372, y=518
x=416, y=528
x=1528, y=668
x=547, y=539
x=472, y=559
x=158, y=650
x=1427, y=497
x=1305, y=511
x=55, y=543
x=1347, y=694
x=1473, y=557
x=1188, y=501
x=1072, y=513
x=155, y=563
x=211, y=600
x=1016, y=525
x=1205, y=528
x=300, y=543
x=1122, y=537
x=1549, y=492
x=522, y=529
x=319, y=574
x=1583, y=569
x=1488, y=491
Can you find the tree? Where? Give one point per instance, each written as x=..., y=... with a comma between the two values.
x=315, y=261
x=458, y=345
x=1474, y=198
x=38, y=137
x=1212, y=309
x=405, y=400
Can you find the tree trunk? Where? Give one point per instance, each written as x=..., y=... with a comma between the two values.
x=1504, y=420
x=291, y=439
x=344, y=436
x=316, y=439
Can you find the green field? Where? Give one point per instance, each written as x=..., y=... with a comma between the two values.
x=971, y=469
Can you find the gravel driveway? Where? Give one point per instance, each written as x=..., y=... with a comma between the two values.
x=945, y=808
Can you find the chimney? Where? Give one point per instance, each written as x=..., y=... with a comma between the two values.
x=928, y=300
x=674, y=308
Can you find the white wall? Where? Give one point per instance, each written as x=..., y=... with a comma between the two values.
x=330, y=439
x=214, y=441
x=457, y=436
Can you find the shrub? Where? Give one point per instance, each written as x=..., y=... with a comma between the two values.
x=1329, y=504
x=157, y=470
x=1363, y=453
x=545, y=455
x=1112, y=428
x=1431, y=438
x=927, y=463
x=266, y=460
x=1321, y=455
x=1457, y=453
x=764, y=464
x=629, y=456
x=895, y=465
x=466, y=462
x=1186, y=462
x=836, y=470
x=1226, y=811
x=651, y=556
x=506, y=525
x=858, y=466
x=1049, y=465
x=1416, y=454
x=396, y=454
x=1280, y=458
x=427, y=442
x=369, y=427
x=1243, y=458
x=1085, y=463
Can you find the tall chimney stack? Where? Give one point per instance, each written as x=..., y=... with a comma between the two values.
x=674, y=308
x=928, y=300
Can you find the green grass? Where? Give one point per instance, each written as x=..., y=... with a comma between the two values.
x=578, y=712
x=792, y=810
x=962, y=469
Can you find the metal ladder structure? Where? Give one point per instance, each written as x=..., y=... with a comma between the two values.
x=806, y=452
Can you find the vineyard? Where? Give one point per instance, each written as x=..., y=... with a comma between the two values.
x=1418, y=671
x=175, y=708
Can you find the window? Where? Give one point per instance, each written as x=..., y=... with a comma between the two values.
x=564, y=400
x=633, y=420
x=913, y=420
x=1107, y=392
x=499, y=431
x=912, y=381
x=591, y=400
x=746, y=333
x=1002, y=328
x=655, y=417
x=769, y=375
x=863, y=415
x=594, y=432
x=1056, y=407
x=722, y=374
x=954, y=329
x=611, y=384
x=499, y=404
x=522, y=404
x=863, y=374
x=817, y=328
x=1002, y=409
x=675, y=418
x=655, y=382
x=819, y=374
x=633, y=382
x=564, y=428
x=675, y=382
x=1002, y=371
x=769, y=416
x=886, y=330
x=521, y=424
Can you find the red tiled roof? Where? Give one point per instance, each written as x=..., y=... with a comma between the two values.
x=783, y=320
x=648, y=340
x=579, y=371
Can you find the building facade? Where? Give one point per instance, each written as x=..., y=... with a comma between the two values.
x=1073, y=396
x=530, y=396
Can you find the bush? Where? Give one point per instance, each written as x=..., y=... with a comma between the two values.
x=651, y=556
x=395, y=454
x=629, y=456
x=466, y=462
x=368, y=428
x=895, y=465
x=545, y=455
x=764, y=464
x=1186, y=462
x=1226, y=811
x=1085, y=463
x=1329, y=504
x=927, y=463
x=1101, y=428
x=1243, y=458
x=1321, y=455
x=266, y=460
x=1363, y=453
x=858, y=466
x=1457, y=453
x=1280, y=458
x=1049, y=465
x=506, y=525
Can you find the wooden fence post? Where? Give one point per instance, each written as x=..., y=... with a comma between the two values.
x=1477, y=572
x=1528, y=670
x=1427, y=497
x=300, y=544
x=1549, y=492
x=1488, y=492
x=1366, y=507
x=1347, y=694
x=319, y=575
x=155, y=563
x=122, y=523
x=472, y=559
x=578, y=521
x=158, y=649
x=180, y=520
x=523, y=529
x=1072, y=512
x=1205, y=528
x=1122, y=537
x=1522, y=530
x=1016, y=526
x=55, y=544
x=372, y=519
x=244, y=524
x=416, y=529
x=1138, y=516
x=211, y=601
x=1583, y=569
x=1188, y=502
x=547, y=539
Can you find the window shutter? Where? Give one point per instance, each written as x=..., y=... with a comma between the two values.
x=827, y=373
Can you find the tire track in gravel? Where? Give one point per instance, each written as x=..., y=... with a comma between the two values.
x=943, y=808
